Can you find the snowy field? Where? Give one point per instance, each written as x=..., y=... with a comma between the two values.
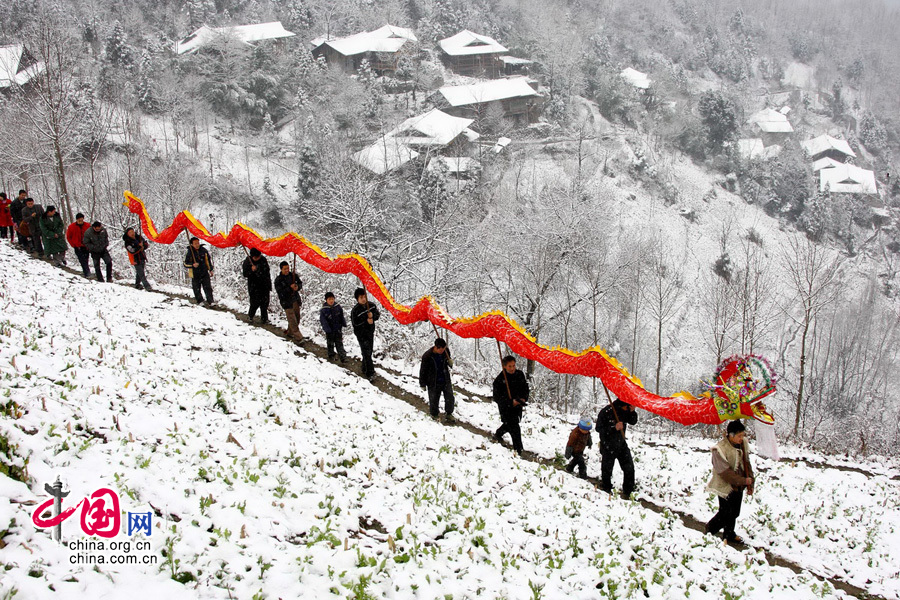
x=274, y=475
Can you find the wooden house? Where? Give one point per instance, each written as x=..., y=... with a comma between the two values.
x=474, y=55
x=382, y=48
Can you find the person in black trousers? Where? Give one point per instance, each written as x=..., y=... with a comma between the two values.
x=136, y=247
x=363, y=317
x=434, y=376
x=511, y=395
x=612, y=423
x=729, y=480
x=331, y=316
x=199, y=264
x=259, y=284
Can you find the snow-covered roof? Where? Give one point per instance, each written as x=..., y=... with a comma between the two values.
x=847, y=179
x=384, y=39
x=384, y=155
x=454, y=164
x=514, y=60
x=466, y=43
x=635, y=78
x=434, y=128
x=487, y=91
x=770, y=120
x=826, y=163
x=10, y=60
x=502, y=143
x=750, y=148
x=245, y=33
x=824, y=143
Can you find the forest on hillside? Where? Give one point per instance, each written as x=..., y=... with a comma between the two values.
x=533, y=232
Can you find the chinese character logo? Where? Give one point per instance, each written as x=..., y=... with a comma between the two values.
x=100, y=514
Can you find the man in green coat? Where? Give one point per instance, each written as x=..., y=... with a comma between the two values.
x=54, y=236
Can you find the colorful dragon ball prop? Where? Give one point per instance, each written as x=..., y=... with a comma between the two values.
x=682, y=407
x=739, y=386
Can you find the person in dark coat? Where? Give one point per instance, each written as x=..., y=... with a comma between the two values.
x=31, y=214
x=729, y=481
x=363, y=317
x=434, y=376
x=331, y=316
x=15, y=211
x=511, y=395
x=136, y=246
x=288, y=286
x=96, y=241
x=75, y=237
x=259, y=284
x=579, y=440
x=53, y=234
x=6, y=222
x=200, y=268
x=612, y=423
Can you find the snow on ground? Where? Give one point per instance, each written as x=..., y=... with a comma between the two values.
x=335, y=488
x=832, y=521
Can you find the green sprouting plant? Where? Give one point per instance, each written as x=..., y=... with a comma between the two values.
x=206, y=502
x=316, y=536
x=220, y=402
x=11, y=464
x=573, y=544
x=536, y=590
x=359, y=590
x=263, y=566
x=242, y=506
x=329, y=507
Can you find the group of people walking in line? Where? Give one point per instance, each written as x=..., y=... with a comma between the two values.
x=41, y=232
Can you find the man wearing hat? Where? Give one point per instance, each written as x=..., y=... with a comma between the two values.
x=259, y=284
x=612, y=424
x=200, y=268
x=729, y=481
x=96, y=241
x=579, y=439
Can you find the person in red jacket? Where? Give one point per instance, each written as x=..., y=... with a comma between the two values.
x=6, y=222
x=75, y=237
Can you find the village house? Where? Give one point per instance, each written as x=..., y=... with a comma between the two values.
x=772, y=126
x=382, y=49
x=516, y=97
x=826, y=146
x=753, y=148
x=385, y=155
x=847, y=179
x=429, y=133
x=474, y=55
x=246, y=34
x=17, y=66
x=635, y=78
x=456, y=167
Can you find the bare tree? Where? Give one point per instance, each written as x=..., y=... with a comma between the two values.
x=813, y=275
x=662, y=293
x=50, y=104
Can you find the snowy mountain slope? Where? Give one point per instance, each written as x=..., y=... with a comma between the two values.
x=834, y=522
x=335, y=488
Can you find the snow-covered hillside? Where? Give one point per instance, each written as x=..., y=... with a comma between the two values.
x=272, y=474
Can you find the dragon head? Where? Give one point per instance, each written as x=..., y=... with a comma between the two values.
x=739, y=387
